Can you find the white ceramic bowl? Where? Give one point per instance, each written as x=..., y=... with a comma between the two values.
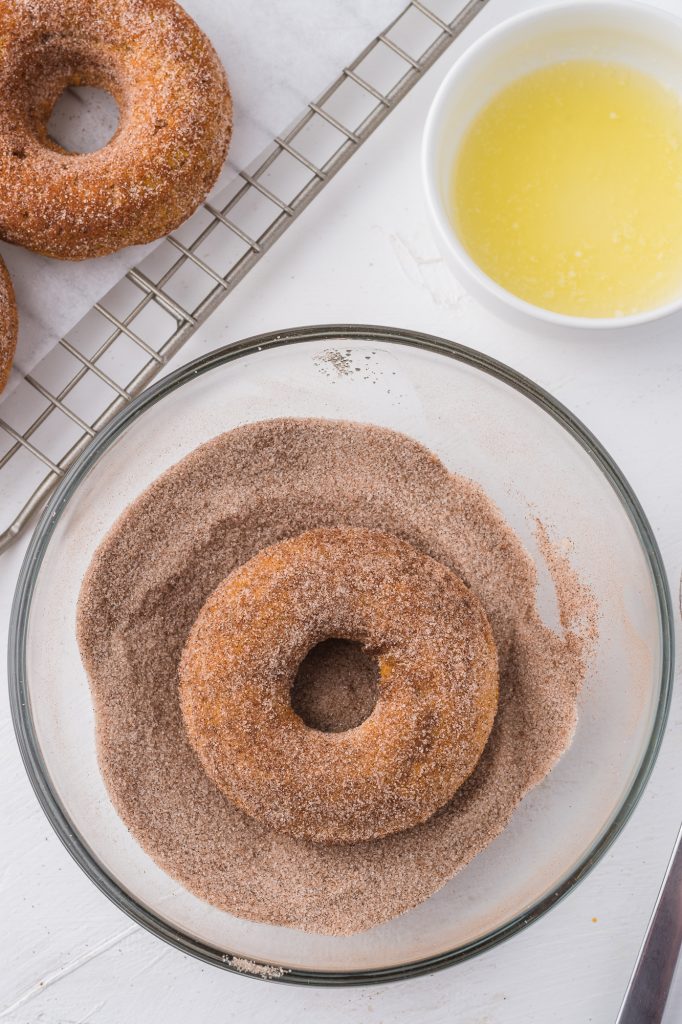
x=641, y=36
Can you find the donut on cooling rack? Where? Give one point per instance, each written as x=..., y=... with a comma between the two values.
x=8, y=325
x=175, y=123
x=437, y=685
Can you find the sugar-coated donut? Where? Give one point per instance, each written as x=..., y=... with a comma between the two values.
x=8, y=325
x=174, y=130
x=437, y=685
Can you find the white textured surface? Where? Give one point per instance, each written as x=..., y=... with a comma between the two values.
x=363, y=253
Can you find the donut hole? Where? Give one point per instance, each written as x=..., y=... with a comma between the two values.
x=337, y=686
x=84, y=119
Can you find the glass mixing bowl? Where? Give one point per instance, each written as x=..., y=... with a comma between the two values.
x=533, y=458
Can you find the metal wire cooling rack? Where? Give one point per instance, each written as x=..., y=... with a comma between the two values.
x=127, y=337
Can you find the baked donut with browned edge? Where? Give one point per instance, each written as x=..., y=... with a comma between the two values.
x=174, y=125
x=438, y=685
x=8, y=325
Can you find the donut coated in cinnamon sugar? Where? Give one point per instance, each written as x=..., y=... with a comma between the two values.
x=438, y=685
x=8, y=325
x=175, y=123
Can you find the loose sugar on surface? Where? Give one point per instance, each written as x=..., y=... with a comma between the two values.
x=239, y=963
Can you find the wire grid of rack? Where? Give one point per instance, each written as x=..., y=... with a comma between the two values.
x=125, y=339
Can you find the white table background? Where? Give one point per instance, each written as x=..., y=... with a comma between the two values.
x=363, y=253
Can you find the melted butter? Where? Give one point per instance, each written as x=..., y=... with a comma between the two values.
x=567, y=190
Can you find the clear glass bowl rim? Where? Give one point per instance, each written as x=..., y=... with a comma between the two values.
x=18, y=688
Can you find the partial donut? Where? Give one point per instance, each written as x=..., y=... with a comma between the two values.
x=174, y=129
x=437, y=685
x=8, y=325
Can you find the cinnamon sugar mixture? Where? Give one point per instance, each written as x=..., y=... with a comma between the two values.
x=212, y=512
